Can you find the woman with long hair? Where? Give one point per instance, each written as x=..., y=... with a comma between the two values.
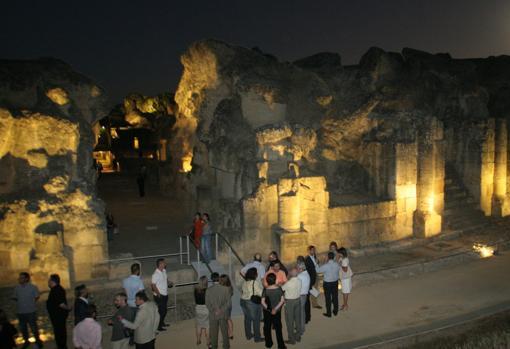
x=201, y=312
x=225, y=281
x=196, y=230
x=250, y=304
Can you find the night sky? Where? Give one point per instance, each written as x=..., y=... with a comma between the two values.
x=134, y=46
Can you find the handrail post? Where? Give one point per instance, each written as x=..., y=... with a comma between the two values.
x=175, y=302
x=216, y=244
x=187, y=252
x=180, y=248
x=230, y=263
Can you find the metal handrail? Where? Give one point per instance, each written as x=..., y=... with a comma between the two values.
x=174, y=306
x=231, y=248
x=199, y=253
x=178, y=254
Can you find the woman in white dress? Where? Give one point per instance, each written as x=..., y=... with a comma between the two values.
x=345, y=277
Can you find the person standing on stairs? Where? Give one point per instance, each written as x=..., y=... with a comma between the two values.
x=196, y=231
x=207, y=234
x=160, y=285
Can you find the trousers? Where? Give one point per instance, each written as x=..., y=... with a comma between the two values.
x=28, y=319
x=215, y=325
x=59, y=330
x=252, y=315
x=273, y=321
x=162, y=302
x=121, y=344
x=148, y=345
x=293, y=319
x=304, y=300
x=331, y=295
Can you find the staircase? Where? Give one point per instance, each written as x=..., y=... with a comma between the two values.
x=461, y=211
x=202, y=268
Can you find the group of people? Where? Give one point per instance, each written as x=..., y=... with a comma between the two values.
x=137, y=320
x=202, y=234
x=266, y=291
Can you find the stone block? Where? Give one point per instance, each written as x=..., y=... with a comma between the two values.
x=292, y=244
x=426, y=224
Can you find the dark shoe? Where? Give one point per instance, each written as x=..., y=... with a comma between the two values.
x=166, y=325
x=335, y=313
x=258, y=340
x=161, y=329
x=327, y=315
x=317, y=307
x=231, y=338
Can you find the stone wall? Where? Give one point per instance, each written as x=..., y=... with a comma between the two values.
x=312, y=151
x=51, y=220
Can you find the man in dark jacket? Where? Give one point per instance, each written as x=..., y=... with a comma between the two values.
x=58, y=310
x=311, y=264
x=81, y=303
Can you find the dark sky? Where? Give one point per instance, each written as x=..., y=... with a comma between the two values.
x=134, y=46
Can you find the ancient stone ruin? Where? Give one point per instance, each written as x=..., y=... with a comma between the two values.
x=281, y=154
x=290, y=154
x=51, y=220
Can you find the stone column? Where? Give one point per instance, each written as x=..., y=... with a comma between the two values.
x=289, y=213
x=500, y=207
x=487, y=167
x=162, y=149
x=404, y=191
x=426, y=220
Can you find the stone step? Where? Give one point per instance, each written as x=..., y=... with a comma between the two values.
x=464, y=222
x=450, y=202
x=462, y=209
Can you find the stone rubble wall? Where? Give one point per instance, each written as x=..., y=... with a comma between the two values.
x=51, y=220
x=289, y=154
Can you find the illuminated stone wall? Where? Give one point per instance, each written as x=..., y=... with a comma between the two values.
x=51, y=220
x=295, y=153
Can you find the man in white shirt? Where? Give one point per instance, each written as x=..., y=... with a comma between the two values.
x=160, y=285
x=305, y=288
x=292, y=289
x=257, y=264
x=331, y=271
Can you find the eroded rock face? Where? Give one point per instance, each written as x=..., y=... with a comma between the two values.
x=379, y=133
x=51, y=220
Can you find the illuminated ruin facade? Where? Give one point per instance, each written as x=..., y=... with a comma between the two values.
x=51, y=220
x=290, y=154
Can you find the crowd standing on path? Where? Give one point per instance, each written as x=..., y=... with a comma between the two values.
x=266, y=293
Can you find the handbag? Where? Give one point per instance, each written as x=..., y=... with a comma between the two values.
x=254, y=298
